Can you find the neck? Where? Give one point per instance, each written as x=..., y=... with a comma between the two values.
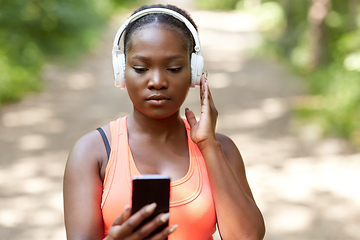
x=159, y=128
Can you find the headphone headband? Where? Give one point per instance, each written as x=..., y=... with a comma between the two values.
x=142, y=13
x=119, y=64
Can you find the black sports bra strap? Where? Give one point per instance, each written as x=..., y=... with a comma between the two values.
x=106, y=142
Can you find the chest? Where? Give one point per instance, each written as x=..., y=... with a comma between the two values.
x=154, y=157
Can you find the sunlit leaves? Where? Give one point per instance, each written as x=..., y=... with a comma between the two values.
x=33, y=31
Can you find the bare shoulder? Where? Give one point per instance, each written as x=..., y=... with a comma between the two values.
x=87, y=146
x=89, y=149
x=230, y=149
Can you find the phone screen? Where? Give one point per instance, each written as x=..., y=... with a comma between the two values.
x=148, y=189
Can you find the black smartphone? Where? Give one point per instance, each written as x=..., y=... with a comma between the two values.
x=148, y=189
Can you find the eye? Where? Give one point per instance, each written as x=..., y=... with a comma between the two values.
x=140, y=70
x=174, y=70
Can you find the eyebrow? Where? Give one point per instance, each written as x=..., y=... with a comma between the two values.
x=167, y=58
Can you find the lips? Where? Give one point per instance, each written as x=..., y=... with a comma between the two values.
x=157, y=99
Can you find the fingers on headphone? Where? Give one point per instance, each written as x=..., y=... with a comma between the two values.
x=204, y=92
x=205, y=73
x=211, y=100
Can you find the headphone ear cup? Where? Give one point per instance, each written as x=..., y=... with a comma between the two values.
x=119, y=70
x=197, y=65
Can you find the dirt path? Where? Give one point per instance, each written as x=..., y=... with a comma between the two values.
x=306, y=187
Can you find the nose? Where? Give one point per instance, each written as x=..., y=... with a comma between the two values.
x=157, y=80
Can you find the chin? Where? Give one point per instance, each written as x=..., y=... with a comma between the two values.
x=159, y=114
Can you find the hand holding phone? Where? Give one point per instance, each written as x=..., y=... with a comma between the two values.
x=149, y=189
x=124, y=226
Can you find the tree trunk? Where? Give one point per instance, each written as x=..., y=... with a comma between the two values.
x=316, y=17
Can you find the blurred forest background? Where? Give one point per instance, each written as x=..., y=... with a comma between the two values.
x=318, y=39
x=35, y=32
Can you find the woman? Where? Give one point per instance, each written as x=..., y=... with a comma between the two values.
x=209, y=184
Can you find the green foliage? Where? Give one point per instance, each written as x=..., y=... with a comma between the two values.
x=335, y=84
x=18, y=76
x=33, y=32
x=336, y=107
x=121, y=4
x=296, y=25
x=218, y=5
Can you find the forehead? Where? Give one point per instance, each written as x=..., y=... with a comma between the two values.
x=158, y=36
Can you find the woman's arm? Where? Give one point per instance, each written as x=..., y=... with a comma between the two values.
x=238, y=217
x=83, y=189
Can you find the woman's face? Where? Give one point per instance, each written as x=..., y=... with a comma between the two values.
x=157, y=71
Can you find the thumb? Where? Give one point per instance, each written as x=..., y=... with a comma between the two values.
x=190, y=116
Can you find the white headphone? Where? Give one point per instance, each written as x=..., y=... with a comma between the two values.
x=118, y=59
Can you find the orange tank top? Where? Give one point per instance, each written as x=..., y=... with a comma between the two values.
x=191, y=201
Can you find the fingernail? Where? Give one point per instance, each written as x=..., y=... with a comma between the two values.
x=173, y=228
x=164, y=218
x=150, y=208
x=186, y=109
x=127, y=207
x=205, y=74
